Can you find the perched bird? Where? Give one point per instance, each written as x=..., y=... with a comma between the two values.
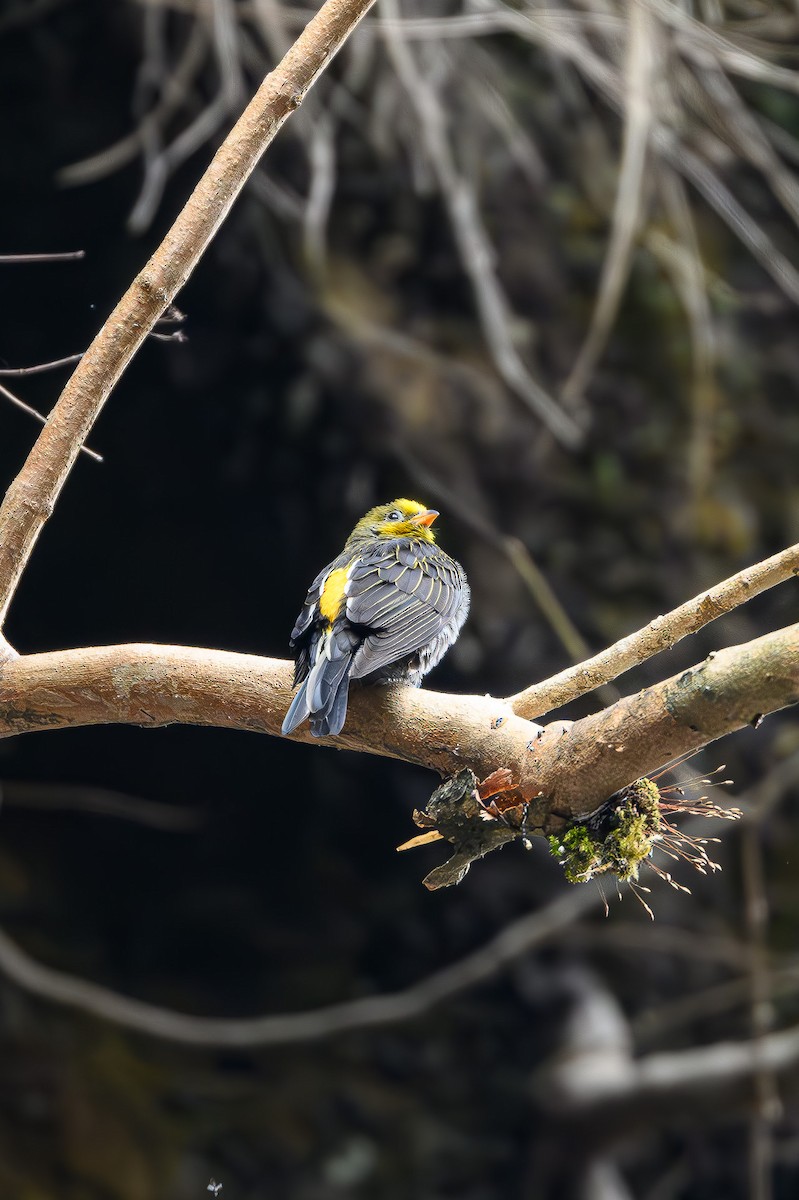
x=384, y=611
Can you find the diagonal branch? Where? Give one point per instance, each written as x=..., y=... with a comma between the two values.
x=660, y=634
x=31, y=497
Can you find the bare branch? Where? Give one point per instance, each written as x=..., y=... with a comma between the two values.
x=561, y=775
x=64, y=256
x=40, y=368
x=31, y=497
x=34, y=412
x=660, y=634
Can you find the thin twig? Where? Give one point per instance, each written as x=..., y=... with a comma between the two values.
x=564, y=38
x=660, y=634
x=33, y=412
x=66, y=256
x=32, y=496
x=40, y=368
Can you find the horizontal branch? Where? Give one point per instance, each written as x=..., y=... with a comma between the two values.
x=660, y=634
x=563, y=772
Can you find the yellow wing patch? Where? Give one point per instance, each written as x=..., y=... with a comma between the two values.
x=332, y=594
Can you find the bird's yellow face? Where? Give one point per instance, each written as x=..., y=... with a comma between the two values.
x=401, y=518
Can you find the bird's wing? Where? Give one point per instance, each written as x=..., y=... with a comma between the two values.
x=309, y=608
x=402, y=599
x=302, y=634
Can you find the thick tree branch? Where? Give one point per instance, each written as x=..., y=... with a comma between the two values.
x=660, y=634
x=32, y=496
x=563, y=773
x=732, y=688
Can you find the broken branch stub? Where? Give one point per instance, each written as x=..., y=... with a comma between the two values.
x=456, y=811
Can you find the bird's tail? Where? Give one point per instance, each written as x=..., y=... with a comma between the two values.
x=322, y=698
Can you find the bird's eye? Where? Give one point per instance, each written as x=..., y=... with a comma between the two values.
x=394, y=515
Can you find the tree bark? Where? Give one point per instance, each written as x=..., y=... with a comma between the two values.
x=563, y=772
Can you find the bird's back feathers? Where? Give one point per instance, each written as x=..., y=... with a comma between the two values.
x=394, y=607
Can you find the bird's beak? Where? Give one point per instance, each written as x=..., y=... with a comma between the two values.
x=425, y=518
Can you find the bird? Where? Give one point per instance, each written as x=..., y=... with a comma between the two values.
x=385, y=611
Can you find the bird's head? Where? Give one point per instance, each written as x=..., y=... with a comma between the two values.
x=401, y=518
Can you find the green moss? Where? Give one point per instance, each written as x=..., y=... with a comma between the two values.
x=579, y=853
x=616, y=840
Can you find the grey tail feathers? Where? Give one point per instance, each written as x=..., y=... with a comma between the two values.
x=322, y=698
x=298, y=710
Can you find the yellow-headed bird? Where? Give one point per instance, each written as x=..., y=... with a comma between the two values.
x=384, y=611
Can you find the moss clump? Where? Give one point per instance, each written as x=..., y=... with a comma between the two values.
x=579, y=853
x=616, y=839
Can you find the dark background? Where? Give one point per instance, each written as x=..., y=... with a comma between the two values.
x=235, y=463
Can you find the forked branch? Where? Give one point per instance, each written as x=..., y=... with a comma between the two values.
x=562, y=772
